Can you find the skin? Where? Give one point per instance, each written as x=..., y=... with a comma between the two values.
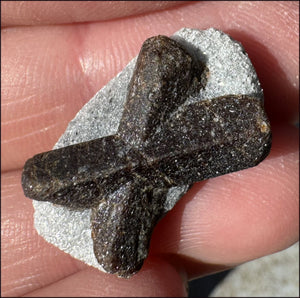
x=54, y=59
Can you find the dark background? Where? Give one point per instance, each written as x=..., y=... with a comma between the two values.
x=202, y=287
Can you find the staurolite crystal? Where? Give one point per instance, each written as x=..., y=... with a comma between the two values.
x=163, y=141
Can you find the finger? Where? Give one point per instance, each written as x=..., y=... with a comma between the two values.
x=232, y=219
x=19, y=13
x=50, y=72
x=30, y=264
x=156, y=279
x=28, y=261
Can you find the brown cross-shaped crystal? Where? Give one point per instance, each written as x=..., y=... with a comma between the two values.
x=161, y=142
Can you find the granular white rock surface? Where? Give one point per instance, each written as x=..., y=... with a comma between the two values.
x=230, y=72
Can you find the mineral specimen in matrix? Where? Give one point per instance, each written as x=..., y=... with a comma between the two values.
x=165, y=141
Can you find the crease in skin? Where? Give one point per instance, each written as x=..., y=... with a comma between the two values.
x=22, y=261
x=8, y=188
x=17, y=102
x=30, y=134
x=14, y=290
x=59, y=108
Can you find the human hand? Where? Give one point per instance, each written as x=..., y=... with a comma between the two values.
x=49, y=72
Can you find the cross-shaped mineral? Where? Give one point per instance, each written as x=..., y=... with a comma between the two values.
x=162, y=141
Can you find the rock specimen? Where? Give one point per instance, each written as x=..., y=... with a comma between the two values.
x=167, y=139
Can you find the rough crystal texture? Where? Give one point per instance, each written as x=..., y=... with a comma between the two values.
x=225, y=70
x=162, y=77
x=122, y=225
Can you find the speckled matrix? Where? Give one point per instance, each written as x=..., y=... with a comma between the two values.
x=194, y=110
